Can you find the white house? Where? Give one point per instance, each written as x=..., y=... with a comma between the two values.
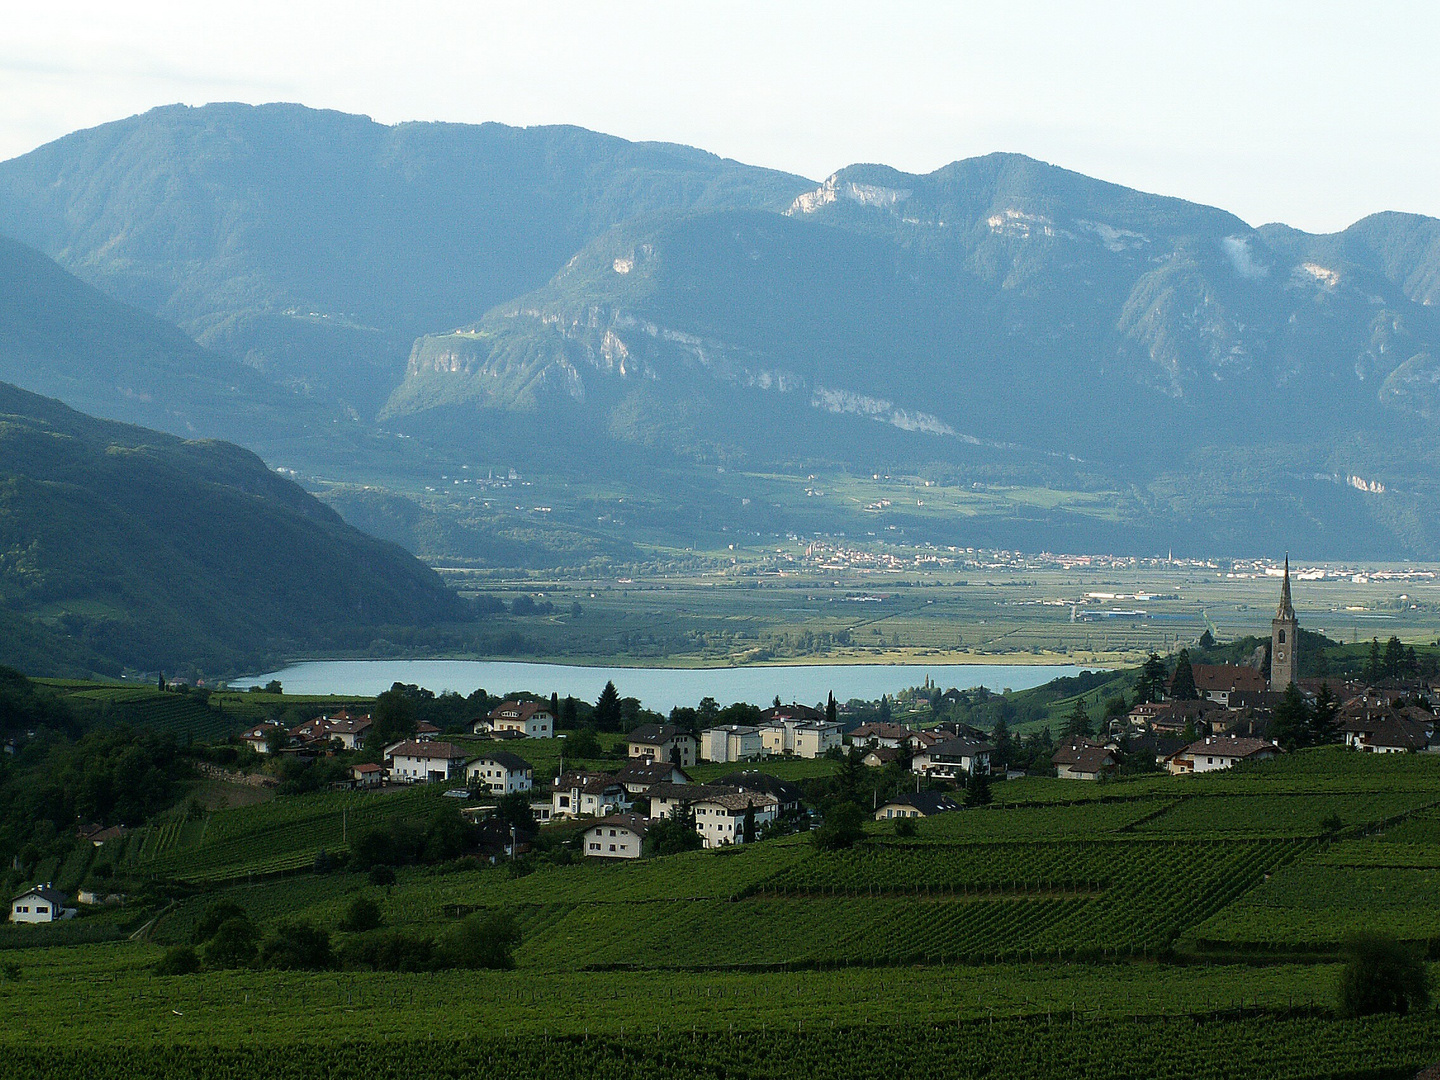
x=532, y=719
x=731, y=742
x=619, y=836
x=1220, y=752
x=500, y=773
x=639, y=775
x=587, y=793
x=720, y=819
x=917, y=804
x=367, y=775
x=890, y=736
x=258, y=737
x=419, y=762
x=953, y=760
x=662, y=742
x=39, y=904
x=800, y=737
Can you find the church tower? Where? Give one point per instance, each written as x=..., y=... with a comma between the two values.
x=1284, y=638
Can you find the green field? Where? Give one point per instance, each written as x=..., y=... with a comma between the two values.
x=1172, y=926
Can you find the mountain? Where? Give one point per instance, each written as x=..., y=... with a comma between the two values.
x=65, y=339
x=317, y=245
x=121, y=546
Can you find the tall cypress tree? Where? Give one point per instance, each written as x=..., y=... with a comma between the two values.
x=1182, y=686
x=1077, y=724
x=607, y=709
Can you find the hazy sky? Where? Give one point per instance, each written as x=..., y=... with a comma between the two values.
x=1314, y=114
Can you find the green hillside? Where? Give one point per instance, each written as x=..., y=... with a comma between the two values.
x=145, y=550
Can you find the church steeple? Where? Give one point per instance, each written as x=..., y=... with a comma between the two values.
x=1284, y=638
x=1285, y=611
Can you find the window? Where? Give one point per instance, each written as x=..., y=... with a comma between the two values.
x=1282, y=637
x=1210, y=761
x=594, y=847
x=42, y=911
x=612, y=847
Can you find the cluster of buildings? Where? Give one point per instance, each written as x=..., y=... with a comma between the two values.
x=784, y=731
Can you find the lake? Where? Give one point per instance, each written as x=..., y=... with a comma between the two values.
x=660, y=689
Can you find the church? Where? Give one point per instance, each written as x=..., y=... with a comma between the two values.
x=1284, y=639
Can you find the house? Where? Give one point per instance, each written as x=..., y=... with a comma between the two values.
x=500, y=773
x=1396, y=735
x=531, y=719
x=258, y=737
x=587, y=793
x=618, y=836
x=879, y=757
x=720, y=819
x=1082, y=759
x=414, y=762
x=641, y=774
x=99, y=837
x=1215, y=753
x=731, y=742
x=665, y=798
x=663, y=742
x=1173, y=717
x=953, y=760
x=312, y=732
x=816, y=738
x=918, y=804
x=787, y=793
x=350, y=730
x=1216, y=682
x=367, y=775
x=889, y=736
x=40, y=904
x=798, y=736
x=425, y=731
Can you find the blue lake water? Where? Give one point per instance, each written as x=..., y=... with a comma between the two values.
x=660, y=689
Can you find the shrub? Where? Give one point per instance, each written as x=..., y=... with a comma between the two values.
x=232, y=945
x=482, y=940
x=843, y=827
x=388, y=950
x=297, y=946
x=905, y=826
x=217, y=913
x=1381, y=975
x=382, y=875
x=362, y=914
x=178, y=960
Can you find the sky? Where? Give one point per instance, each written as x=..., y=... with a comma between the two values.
x=1314, y=114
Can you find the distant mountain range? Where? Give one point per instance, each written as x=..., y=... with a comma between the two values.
x=125, y=547
x=589, y=307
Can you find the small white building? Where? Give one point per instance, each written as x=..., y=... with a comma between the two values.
x=40, y=904
x=662, y=742
x=619, y=836
x=720, y=819
x=957, y=759
x=731, y=742
x=1220, y=752
x=258, y=737
x=800, y=737
x=531, y=719
x=500, y=773
x=421, y=762
x=590, y=794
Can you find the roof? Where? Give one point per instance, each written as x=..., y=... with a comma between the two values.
x=590, y=783
x=644, y=771
x=260, y=731
x=44, y=892
x=741, y=800
x=424, y=727
x=656, y=733
x=884, y=754
x=366, y=768
x=1083, y=755
x=750, y=780
x=732, y=729
x=505, y=759
x=636, y=823
x=866, y=732
x=927, y=802
x=688, y=792
x=961, y=748
x=1398, y=733
x=350, y=726
x=414, y=749
x=1230, y=746
x=1214, y=677
x=793, y=711
x=519, y=710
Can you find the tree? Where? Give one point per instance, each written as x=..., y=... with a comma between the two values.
x=1182, y=686
x=1004, y=745
x=1207, y=639
x=831, y=709
x=1375, y=667
x=392, y=718
x=1291, y=726
x=844, y=825
x=1394, y=658
x=674, y=834
x=1323, y=725
x=1077, y=724
x=747, y=827
x=884, y=708
x=1381, y=975
x=583, y=744
x=514, y=810
x=178, y=960
x=1151, y=684
x=232, y=945
x=486, y=939
x=607, y=709
x=977, y=790
x=297, y=946
x=217, y=912
x=362, y=914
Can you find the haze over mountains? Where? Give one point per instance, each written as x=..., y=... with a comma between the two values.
x=579, y=305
